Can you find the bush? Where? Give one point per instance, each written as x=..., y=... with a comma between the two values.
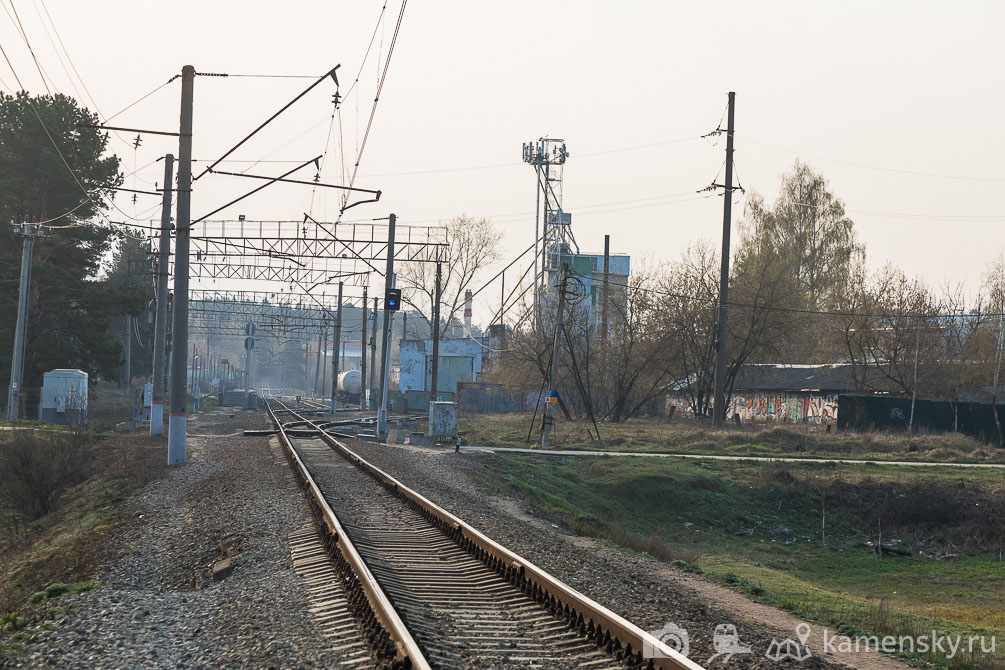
x=57, y=589
x=35, y=468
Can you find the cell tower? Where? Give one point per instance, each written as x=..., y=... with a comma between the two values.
x=548, y=156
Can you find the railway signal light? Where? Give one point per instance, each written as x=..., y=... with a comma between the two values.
x=392, y=299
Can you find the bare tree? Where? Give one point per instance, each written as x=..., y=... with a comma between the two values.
x=690, y=289
x=472, y=246
x=994, y=285
x=905, y=332
x=763, y=313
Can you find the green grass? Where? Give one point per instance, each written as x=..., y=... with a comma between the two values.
x=756, y=528
x=780, y=441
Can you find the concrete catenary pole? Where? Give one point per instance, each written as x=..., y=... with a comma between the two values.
x=719, y=395
x=335, y=343
x=178, y=419
x=29, y=232
x=385, y=353
x=373, y=348
x=434, y=387
x=324, y=358
x=362, y=357
x=317, y=361
x=127, y=370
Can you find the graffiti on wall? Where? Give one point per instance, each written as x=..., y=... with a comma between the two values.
x=786, y=407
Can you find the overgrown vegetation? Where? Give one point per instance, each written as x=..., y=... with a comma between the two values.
x=35, y=468
x=690, y=437
x=802, y=537
x=44, y=555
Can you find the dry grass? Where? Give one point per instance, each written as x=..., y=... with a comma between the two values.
x=691, y=436
x=70, y=543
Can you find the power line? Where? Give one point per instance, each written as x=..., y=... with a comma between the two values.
x=871, y=167
x=712, y=301
x=24, y=37
x=376, y=99
x=141, y=98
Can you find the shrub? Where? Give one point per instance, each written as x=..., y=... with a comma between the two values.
x=57, y=589
x=35, y=468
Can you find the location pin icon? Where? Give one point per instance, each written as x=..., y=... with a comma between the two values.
x=803, y=632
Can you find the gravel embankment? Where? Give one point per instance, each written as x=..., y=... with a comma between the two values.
x=158, y=606
x=630, y=585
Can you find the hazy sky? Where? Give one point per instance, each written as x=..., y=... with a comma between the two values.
x=870, y=93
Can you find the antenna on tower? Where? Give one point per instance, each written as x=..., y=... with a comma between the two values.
x=548, y=156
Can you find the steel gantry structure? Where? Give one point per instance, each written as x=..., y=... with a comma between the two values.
x=308, y=252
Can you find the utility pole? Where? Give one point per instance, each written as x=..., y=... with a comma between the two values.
x=547, y=419
x=435, y=374
x=373, y=348
x=385, y=353
x=249, y=345
x=29, y=231
x=317, y=361
x=719, y=396
x=914, y=387
x=324, y=358
x=502, y=298
x=177, y=421
x=128, y=346
x=604, y=333
x=606, y=285
x=362, y=357
x=335, y=343
x=307, y=368
x=537, y=237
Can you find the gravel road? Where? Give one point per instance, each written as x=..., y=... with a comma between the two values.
x=158, y=606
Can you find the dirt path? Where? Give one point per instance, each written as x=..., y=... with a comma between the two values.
x=784, y=623
x=712, y=457
x=739, y=606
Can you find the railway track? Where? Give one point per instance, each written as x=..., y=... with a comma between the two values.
x=426, y=590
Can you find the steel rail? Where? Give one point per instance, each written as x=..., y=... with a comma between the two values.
x=407, y=650
x=608, y=629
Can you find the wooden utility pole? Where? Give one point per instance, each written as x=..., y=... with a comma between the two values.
x=177, y=421
x=719, y=394
x=603, y=319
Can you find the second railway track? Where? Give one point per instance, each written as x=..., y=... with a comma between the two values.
x=430, y=591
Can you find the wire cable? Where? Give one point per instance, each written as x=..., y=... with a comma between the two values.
x=869, y=167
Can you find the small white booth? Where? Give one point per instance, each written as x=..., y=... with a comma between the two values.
x=64, y=397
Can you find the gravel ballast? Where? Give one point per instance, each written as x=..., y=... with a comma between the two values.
x=636, y=587
x=158, y=605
